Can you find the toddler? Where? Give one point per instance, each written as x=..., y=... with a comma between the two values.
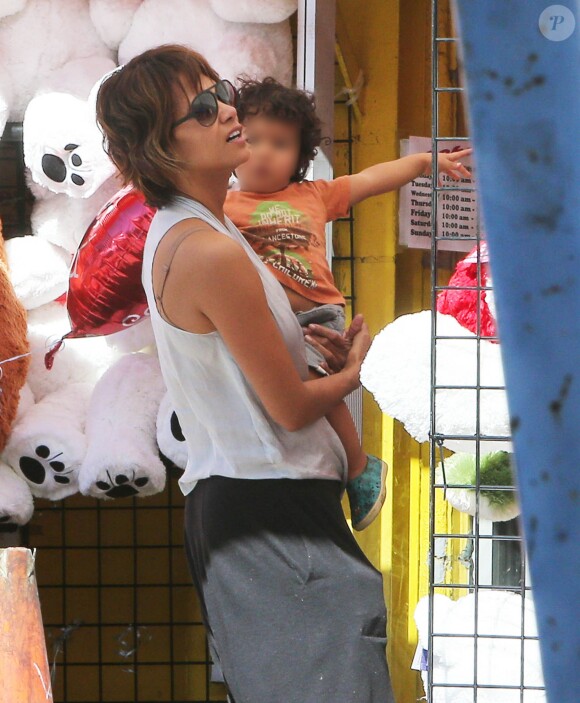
x=283, y=217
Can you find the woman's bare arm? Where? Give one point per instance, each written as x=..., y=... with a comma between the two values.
x=212, y=284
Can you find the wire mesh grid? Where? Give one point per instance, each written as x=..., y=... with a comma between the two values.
x=343, y=266
x=343, y=256
x=482, y=641
x=121, y=618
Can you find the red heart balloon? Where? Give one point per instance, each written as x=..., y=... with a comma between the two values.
x=105, y=293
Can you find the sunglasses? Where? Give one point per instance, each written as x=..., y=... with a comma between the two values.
x=204, y=107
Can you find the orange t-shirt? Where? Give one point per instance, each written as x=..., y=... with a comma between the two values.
x=286, y=229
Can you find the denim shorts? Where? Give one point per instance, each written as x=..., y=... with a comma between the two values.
x=331, y=316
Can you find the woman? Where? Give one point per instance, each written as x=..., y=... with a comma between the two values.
x=293, y=609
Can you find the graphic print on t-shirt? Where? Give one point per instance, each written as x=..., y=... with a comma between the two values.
x=281, y=236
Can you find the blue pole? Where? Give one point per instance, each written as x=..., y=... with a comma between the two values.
x=522, y=67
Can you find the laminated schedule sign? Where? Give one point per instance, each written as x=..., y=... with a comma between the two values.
x=457, y=219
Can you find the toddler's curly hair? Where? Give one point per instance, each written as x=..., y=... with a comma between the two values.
x=270, y=98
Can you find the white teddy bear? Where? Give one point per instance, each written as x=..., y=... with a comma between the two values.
x=93, y=415
x=236, y=36
x=123, y=410
x=48, y=45
x=47, y=443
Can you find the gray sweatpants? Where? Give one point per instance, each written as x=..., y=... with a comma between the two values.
x=294, y=610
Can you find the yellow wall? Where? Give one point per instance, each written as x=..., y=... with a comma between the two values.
x=372, y=30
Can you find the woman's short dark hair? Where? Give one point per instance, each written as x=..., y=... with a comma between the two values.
x=136, y=111
x=272, y=99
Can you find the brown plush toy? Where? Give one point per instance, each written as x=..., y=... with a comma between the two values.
x=13, y=342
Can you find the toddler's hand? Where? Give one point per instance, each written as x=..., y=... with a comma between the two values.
x=450, y=164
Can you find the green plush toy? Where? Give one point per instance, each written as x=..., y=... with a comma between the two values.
x=495, y=473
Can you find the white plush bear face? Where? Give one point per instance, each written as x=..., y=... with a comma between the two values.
x=63, y=164
x=63, y=147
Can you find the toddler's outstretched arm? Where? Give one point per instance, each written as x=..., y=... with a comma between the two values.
x=391, y=175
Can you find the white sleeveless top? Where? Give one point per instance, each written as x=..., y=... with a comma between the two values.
x=227, y=429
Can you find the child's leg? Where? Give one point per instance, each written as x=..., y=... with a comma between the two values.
x=342, y=423
x=366, y=486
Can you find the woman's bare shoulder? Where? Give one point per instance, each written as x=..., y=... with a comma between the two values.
x=194, y=235
x=181, y=230
x=194, y=244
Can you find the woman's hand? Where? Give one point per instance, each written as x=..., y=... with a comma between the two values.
x=449, y=164
x=333, y=345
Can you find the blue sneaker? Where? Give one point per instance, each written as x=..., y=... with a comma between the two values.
x=367, y=492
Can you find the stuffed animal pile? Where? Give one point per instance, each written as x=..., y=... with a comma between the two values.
x=99, y=421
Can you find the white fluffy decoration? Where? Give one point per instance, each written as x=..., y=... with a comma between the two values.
x=465, y=502
x=498, y=660
x=496, y=470
x=232, y=48
x=11, y=7
x=63, y=221
x=112, y=19
x=38, y=270
x=122, y=458
x=267, y=11
x=47, y=445
x=16, y=505
x=80, y=361
x=397, y=371
x=37, y=42
x=63, y=146
x=25, y=401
